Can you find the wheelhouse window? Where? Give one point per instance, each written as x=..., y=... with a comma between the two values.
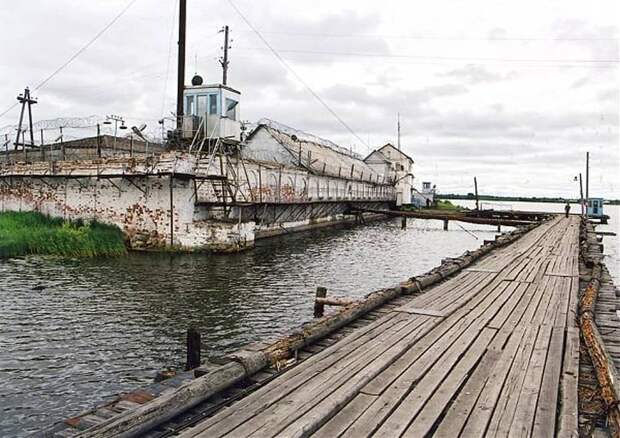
x=231, y=109
x=201, y=105
x=190, y=109
x=213, y=104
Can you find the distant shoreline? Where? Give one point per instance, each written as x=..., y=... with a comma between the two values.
x=470, y=196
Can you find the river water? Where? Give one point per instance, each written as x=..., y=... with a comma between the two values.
x=74, y=332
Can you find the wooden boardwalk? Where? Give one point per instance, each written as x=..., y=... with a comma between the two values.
x=494, y=351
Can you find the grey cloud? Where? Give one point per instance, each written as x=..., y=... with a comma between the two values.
x=580, y=82
x=610, y=94
x=600, y=41
x=475, y=74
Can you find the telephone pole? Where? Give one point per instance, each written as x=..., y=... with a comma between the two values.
x=181, y=62
x=26, y=101
x=398, y=126
x=224, y=60
x=587, y=176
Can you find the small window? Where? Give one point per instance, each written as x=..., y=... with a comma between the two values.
x=231, y=109
x=190, y=110
x=201, y=105
x=212, y=103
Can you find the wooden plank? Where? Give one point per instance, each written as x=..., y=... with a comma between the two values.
x=450, y=327
x=441, y=397
x=294, y=378
x=338, y=424
x=418, y=311
x=480, y=314
x=337, y=386
x=458, y=412
x=487, y=404
x=413, y=402
x=544, y=423
x=506, y=322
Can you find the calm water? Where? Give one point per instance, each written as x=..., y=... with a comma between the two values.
x=102, y=326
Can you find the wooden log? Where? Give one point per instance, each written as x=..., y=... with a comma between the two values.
x=461, y=217
x=319, y=307
x=136, y=422
x=193, y=349
x=334, y=301
x=602, y=362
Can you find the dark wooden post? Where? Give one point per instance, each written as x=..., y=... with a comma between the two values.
x=42, y=150
x=24, y=145
x=476, y=190
x=98, y=141
x=319, y=307
x=445, y=224
x=499, y=228
x=403, y=222
x=193, y=349
x=62, y=146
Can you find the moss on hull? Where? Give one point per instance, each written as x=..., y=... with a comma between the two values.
x=34, y=233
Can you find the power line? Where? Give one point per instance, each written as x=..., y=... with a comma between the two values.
x=440, y=58
x=299, y=78
x=78, y=53
x=438, y=38
x=86, y=46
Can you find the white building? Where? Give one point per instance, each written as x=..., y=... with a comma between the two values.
x=396, y=166
x=424, y=197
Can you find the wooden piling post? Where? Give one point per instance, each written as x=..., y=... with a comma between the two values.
x=499, y=228
x=477, y=198
x=403, y=223
x=319, y=307
x=41, y=149
x=193, y=349
x=98, y=141
x=445, y=224
x=62, y=146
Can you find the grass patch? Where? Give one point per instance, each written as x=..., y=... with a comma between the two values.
x=444, y=204
x=34, y=233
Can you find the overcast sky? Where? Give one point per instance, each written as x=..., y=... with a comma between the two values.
x=512, y=92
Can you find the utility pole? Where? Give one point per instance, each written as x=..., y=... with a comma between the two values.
x=476, y=191
x=398, y=128
x=41, y=147
x=587, y=176
x=6, y=146
x=224, y=60
x=26, y=100
x=115, y=119
x=581, y=194
x=181, y=62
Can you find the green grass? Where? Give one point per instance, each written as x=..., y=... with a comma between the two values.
x=34, y=233
x=447, y=205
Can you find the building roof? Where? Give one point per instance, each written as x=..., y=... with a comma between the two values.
x=317, y=155
x=390, y=145
x=376, y=157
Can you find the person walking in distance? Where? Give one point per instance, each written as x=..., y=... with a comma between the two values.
x=567, y=209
